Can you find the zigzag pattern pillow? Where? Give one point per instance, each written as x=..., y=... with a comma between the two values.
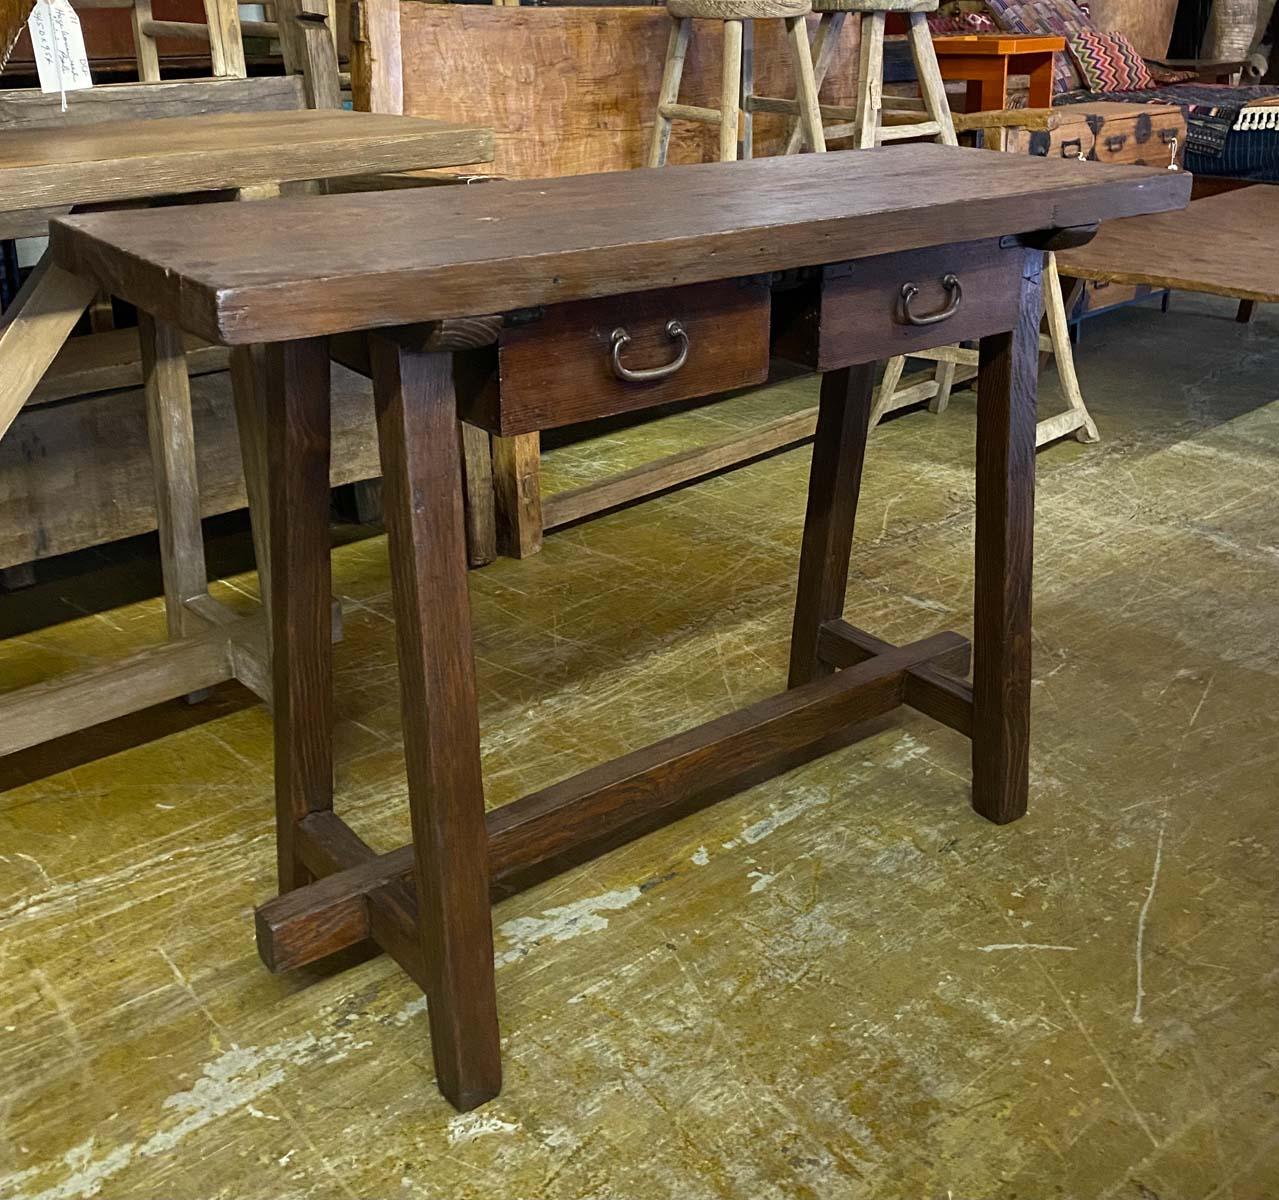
x=1108, y=62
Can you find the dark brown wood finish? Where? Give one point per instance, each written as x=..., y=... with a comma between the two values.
x=410, y=256
x=834, y=484
x=298, y=433
x=1006, y=391
x=604, y=806
x=422, y=468
x=555, y=368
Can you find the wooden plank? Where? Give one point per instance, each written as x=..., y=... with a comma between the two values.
x=33, y=330
x=66, y=705
x=97, y=163
x=591, y=105
x=1224, y=245
x=411, y=256
x=675, y=470
x=308, y=49
x=102, y=362
x=1006, y=387
x=422, y=473
x=601, y=807
x=377, y=84
x=63, y=486
x=29, y=108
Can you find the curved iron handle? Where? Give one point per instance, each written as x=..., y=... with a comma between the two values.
x=951, y=284
x=620, y=339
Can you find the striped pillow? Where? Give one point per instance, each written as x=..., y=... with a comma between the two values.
x=1108, y=62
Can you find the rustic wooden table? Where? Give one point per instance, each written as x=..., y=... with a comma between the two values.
x=850, y=257
x=246, y=155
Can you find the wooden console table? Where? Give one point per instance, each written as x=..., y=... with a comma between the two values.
x=986, y=60
x=245, y=154
x=838, y=253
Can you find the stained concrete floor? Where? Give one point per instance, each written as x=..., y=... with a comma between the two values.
x=840, y=984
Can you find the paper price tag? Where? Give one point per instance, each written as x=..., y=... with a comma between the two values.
x=61, y=59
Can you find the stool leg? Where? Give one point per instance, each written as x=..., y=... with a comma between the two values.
x=833, y=487
x=730, y=90
x=810, y=114
x=421, y=464
x=945, y=377
x=672, y=70
x=893, y=370
x=746, y=142
x=1009, y=372
x=517, y=488
x=298, y=437
x=177, y=489
x=870, y=80
x=931, y=85
x=825, y=43
x=1059, y=331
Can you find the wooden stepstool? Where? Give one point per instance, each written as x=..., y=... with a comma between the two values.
x=737, y=99
x=870, y=123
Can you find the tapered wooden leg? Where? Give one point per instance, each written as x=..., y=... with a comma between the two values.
x=931, y=85
x=298, y=436
x=730, y=90
x=481, y=515
x=517, y=488
x=248, y=386
x=843, y=423
x=1009, y=370
x=177, y=490
x=810, y=115
x=870, y=80
x=945, y=377
x=672, y=70
x=746, y=133
x=825, y=43
x=421, y=465
x=893, y=370
x=1245, y=312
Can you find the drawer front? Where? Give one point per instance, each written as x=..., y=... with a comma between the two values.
x=865, y=314
x=563, y=366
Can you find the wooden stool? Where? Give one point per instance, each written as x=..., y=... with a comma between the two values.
x=736, y=92
x=927, y=117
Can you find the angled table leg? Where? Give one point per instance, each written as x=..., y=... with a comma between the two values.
x=421, y=465
x=298, y=434
x=33, y=330
x=843, y=423
x=1007, y=381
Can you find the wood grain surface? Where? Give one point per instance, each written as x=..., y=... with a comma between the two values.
x=1226, y=245
x=82, y=164
x=338, y=263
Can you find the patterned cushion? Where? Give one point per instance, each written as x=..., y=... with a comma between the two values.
x=1062, y=17
x=961, y=23
x=1108, y=62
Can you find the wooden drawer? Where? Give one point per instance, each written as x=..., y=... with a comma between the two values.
x=856, y=312
x=557, y=368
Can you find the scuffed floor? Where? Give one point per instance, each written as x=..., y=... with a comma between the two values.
x=840, y=984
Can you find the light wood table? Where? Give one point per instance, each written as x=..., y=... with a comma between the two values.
x=837, y=260
x=245, y=155
x=986, y=60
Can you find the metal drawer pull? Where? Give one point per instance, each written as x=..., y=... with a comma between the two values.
x=621, y=339
x=951, y=284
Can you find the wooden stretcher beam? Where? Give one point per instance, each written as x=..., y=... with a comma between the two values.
x=371, y=896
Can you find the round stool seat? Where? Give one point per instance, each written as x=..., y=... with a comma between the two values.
x=874, y=6
x=738, y=10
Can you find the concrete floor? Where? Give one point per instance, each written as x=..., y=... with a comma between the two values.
x=840, y=984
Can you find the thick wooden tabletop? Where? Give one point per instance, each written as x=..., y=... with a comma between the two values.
x=1227, y=245
x=300, y=268
x=997, y=45
x=126, y=160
